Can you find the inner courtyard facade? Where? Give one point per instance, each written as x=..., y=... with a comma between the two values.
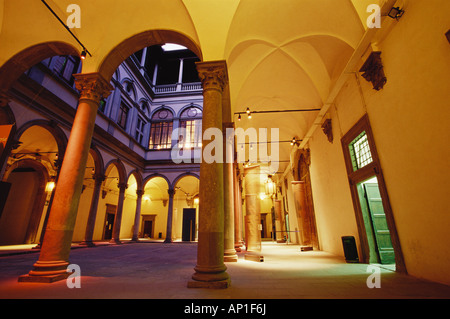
x=108, y=140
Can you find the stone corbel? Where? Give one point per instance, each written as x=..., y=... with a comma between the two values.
x=372, y=70
x=328, y=129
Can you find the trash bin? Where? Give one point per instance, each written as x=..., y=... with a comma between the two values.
x=350, y=251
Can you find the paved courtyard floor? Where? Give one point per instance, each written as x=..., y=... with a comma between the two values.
x=154, y=270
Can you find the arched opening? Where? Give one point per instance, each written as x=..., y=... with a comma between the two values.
x=109, y=215
x=32, y=168
x=154, y=211
x=185, y=211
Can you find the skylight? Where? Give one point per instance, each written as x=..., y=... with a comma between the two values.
x=173, y=47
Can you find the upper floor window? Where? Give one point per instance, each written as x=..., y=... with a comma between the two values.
x=360, y=151
x=139, y=135
x=191, y=128
x=161, y=130
x=123, y=115
x=65, y=67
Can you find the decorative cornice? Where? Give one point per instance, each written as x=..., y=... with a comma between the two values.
x=92, y=86
x=214, y=75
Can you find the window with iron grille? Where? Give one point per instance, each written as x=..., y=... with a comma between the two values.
x=191, y=128
x=123, y=116
x=139, y=135
x=161, y=130
x=360, y=151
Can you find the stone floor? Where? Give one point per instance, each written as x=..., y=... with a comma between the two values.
x=154, y=270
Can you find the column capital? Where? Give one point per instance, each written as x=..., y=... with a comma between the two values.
x=122, y=187
x=99, y=178
x=171, y=192
x=213, y=74
x=92, y=86
x=140, y=192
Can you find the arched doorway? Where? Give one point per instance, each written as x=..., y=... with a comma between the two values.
x=185, y=212
x=155, y=206
x=32, y=172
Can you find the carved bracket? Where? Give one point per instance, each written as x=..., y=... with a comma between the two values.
x=328, y=130
x=373, y=71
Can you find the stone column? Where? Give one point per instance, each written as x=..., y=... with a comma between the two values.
x=304, y=225
x=238, y=242
x=210, y=271
x=93, y=211
x=137, y=217
x=168, y=239
x=253, y=213
x=279, y=221
x=55, y=251
x=228, y=179
x=118, y=218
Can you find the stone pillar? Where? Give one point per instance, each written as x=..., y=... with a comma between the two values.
x=168, y=239
x=279, y=221
x=118, y=218
x=253, y=213
x=55, y=251
x=238, y=241
x=210, y=271
x=180, y=75
x=93, y=211
x=228, y=197
x=304, y=225
x=137, y=217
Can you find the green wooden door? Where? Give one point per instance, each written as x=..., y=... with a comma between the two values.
x=380, y=227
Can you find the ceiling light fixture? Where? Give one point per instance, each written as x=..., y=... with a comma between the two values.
x=396, y=13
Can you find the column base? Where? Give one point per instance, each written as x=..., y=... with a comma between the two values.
x=46, y=272
x=115, y=241
x=87, y=243
x=230, y=258
x=168, y=241
x=222, y=284
x=43, y=279
x=254, y=257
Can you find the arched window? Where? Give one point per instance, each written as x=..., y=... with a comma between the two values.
x=161, y=130
x=191, y=128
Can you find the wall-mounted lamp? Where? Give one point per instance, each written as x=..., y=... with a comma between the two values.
x=294, y=141
x=396, y=13
x=49, y=187
x=239, y=117
x=270, y=186
x=83, y=55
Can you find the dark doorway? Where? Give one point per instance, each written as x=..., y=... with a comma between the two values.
x=109, y=221
x=188, y=224
x=148, y=229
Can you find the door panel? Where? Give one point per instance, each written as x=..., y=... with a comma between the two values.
x=188, y=224
x=380, y=227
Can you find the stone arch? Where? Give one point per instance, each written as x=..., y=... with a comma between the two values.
x=188, y=106
x=98, y=160
x=120, y=169
x=11, y=70
x=138, y=176
x=53, y=128
x=34, y=209
x=139, y=41
x=179, y=177
x=149, y=177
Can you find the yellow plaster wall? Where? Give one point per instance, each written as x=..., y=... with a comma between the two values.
x=409, y=122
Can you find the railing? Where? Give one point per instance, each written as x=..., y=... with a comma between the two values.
x=178, y=87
